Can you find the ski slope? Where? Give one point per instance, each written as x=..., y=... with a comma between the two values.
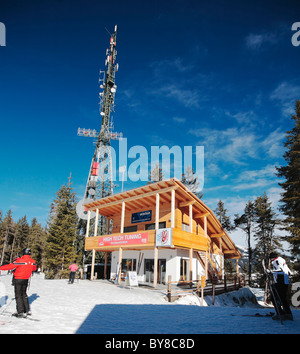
x=101, y=307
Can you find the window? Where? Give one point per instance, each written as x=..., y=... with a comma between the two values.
x=148, y=265
x=128, y=265
x=185, y=227
x=162, y=225
x=130, y=228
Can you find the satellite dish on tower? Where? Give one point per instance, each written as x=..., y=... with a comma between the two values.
x=81, y=211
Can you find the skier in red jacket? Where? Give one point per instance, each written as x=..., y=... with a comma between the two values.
x=24, y=266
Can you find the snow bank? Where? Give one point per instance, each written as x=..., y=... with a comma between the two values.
x=101, y=307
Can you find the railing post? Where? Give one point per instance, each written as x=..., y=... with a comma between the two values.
x=198, y=284
x=169, y=288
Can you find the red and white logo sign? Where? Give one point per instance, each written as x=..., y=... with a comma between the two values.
x=164, y=237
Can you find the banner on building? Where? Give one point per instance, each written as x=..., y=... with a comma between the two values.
x=141, y=216
x=125, y=239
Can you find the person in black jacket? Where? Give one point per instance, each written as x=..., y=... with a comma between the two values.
x=281, y=274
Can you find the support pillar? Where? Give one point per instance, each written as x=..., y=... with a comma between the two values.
x=205, y=234
x=172, y=208
x=191, y=217
x=157, y=212
x=122, y=217
x=105, y=266
x=96, y=222
x=191, y=264
x=155, y=266
x=120, y=264
x=88, y=224
x=93, y=263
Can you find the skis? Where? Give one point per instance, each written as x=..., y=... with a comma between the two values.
x=274, y=293
x=8, y=314
x=117, y=274
x=271, y=314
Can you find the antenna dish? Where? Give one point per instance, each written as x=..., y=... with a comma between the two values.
x=81, y=210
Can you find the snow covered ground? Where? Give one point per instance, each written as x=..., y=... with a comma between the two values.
x=101, y=307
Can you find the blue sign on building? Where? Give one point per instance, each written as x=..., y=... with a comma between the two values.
x=141, y=216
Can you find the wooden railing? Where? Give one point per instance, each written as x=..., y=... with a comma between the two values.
x=213, y=287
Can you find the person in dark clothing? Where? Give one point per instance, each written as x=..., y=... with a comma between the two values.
x=281, y=282
x=23, y=268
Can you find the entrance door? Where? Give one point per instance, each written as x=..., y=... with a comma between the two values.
x=161, y=271
x=149, y=270
x=184, y=269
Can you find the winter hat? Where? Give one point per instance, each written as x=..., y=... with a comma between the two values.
x=26, y=251
x=273, y=255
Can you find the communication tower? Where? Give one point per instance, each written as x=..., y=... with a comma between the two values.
x=100, y=179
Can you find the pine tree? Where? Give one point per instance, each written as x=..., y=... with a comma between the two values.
x=191, y=181
x=37, y=242
x=21, y=238
x=8, y=234
x=155, y=174
x=60, y=248
x=221, y=214
x=291, y=186
x=246, y=223
x=2, y=234
x=265, y=235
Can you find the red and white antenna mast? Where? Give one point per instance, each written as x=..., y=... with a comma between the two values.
x=100, y=179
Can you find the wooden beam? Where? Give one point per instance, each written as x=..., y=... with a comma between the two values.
x=229, y=251
x=129, y=199
x=198, y=215
x=187, y=203
x=217, y=235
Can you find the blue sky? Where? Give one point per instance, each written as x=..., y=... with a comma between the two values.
x=218, y=74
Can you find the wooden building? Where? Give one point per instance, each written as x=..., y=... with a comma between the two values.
x=161, y=229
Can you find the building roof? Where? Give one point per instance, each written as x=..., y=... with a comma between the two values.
x=145, y=197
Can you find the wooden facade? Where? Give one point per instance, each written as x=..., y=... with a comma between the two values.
x=139, y=216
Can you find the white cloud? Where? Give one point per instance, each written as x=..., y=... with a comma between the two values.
x=258, y=184
x=236, y=145
x=179, y=119
x=252, y=175
x=259, y=179
x=273, y=144
x=233, y=144
x=274, y=194
x=257, y=41
x=188, y=97
x=244, y=118
x=285, y=94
